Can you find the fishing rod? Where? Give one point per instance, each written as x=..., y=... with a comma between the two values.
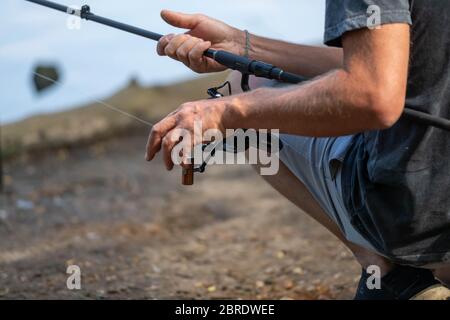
x=244, y=65
x=232, y=61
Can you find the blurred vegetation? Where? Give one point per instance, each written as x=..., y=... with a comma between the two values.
x=93, y=122
x=45, y=76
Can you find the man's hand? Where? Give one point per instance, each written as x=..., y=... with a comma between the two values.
x=204, y=33
x=193, y=118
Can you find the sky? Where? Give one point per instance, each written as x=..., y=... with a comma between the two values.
x=96, y=61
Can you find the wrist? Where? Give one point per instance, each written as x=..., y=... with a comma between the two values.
x=248, y=110
x=243, y=42
x=233, y=115
x=239, y=41
x=241, y=109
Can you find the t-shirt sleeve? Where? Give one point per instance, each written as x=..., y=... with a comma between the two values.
x=347, y=15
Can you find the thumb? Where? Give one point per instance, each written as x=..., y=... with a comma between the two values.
x=180, y=20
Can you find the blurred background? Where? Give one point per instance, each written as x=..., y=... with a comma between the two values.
x=77, y=190
x=96, y=60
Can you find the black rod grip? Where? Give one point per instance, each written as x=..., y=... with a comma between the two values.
x=254, y=67
x=230, y=60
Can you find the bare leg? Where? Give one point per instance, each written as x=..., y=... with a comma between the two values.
x=287, y=184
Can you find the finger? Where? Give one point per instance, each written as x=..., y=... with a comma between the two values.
x=168, y=143
x=162, y=44
x=188, y=144
x=187, y=156
x=158, y=133
x=153, y=145
x=184, y=50
x=186, y=147
x=181, y=20
x=196, y=55
x=174, y=44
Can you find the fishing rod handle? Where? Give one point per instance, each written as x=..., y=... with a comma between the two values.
x=253, y=67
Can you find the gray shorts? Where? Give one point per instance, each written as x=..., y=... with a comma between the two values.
x=317, y=162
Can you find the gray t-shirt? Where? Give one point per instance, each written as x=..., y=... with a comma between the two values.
x=396, y=181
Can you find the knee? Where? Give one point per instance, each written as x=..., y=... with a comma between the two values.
x=443, y=275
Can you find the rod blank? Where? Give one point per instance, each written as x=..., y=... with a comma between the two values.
x=87, y=15
x=52, y=5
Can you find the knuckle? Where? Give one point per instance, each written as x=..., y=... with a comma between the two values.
x=163, y=41
x=200, y=16
x=166, y=143
x=160, y=50
x=156, y=130
x=181, y=53
x=169, y=50
x=185, y=108
x=180, y=38
x=193, y=56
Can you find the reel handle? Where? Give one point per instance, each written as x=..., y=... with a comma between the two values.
x=187, y=175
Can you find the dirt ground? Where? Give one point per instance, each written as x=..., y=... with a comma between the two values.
x=136, y=233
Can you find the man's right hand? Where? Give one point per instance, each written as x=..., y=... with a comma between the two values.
x=204, y=33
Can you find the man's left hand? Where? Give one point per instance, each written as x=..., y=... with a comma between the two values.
x=171, y=131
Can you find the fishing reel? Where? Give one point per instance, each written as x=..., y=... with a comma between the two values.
x=189, y=171
x=211, y=148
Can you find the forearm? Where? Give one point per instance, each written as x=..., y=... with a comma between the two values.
x=308, y=61
x=333, y=105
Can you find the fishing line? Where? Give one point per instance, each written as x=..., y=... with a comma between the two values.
x=103, y=103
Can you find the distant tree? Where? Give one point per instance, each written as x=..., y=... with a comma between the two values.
x=45, y=76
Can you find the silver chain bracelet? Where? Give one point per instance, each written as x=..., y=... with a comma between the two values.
x=247, y=44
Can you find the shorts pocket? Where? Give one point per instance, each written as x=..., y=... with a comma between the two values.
x=338, y=151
